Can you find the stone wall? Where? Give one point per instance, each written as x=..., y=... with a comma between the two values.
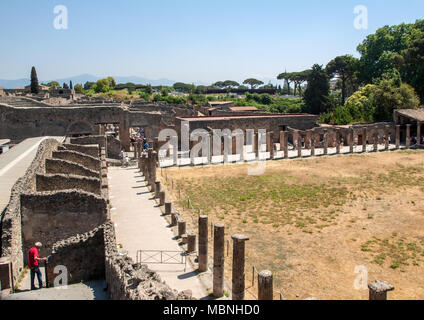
x=80, y=158
x=11, y=229
x=54, y=182
x=57, y=166
x=52, y=216
x=91, y=150
x=113, y=147
x=90, y=140
x=83, y=255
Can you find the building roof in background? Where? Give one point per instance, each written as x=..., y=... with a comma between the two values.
x=245, y=108
x=417, y=114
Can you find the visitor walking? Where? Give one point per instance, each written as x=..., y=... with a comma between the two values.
x=33, y=265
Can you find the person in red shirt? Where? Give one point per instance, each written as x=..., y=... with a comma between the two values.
x=33, y=264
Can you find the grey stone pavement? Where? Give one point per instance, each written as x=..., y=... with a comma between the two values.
x=139, y=225
x=14, y=163
x=91, y=290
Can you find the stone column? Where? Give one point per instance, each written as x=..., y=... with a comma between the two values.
x=157, y=189
x=265, y=285
x=228, y=140
x=397, y=136
x=364, y=139
x=378, y=290
x=285, y=143
x=419, y=132
x=337, y=141
x=325, y=142
x=270, y=144
x=255, y=145
x=191, y=242
x=218, y=260
x=168, y=208
x=124, y=133
x=387, y=136
x=238, y=285
x=408, y=136
x=375, y=136
x=161, y=198
x=351, y=140
x=312, y=144
x=174, y=219
x=181, y=228
x=203, y=243
x=299, y=144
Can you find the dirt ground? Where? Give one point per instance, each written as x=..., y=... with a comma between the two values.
x=313, y=222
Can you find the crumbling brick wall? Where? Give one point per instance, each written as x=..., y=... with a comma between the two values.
x=79, y=158
x=58, y=166
x=11, y=229
x=91, y=150
x=83, y=255
x=54, y=182
x=52, y=216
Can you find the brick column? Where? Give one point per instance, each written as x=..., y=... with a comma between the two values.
x=397, y=136
x=203, y=243
x=378, y=290
x=218, y=260
x=265, y=285
x=238, y=285
x=408, y=136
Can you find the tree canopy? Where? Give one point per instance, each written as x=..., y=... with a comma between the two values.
x=253, y=83
x=317, y=92
x=34, y=81
x=344, y=68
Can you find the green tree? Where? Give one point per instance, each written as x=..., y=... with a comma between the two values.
x=148, y=89
x=287, y=78
x=391, y=94
x=102, y=85
x=379, y=49
x=317, y=92
x=411, y=65
x=112, y=82
x=65, y=86
x=253, y=83
x=230, y=84
x=344, y=68
x=78, y=88
x=88, y=85
x=34, y=81
x=53, y=84
x=71, y=86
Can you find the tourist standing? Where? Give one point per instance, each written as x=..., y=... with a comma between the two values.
x=33, y=265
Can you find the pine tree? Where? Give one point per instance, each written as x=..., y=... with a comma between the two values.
x=70, y=85
x=34, y=81
x=317, y=92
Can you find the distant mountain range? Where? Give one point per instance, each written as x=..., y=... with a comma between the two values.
x=11, y=84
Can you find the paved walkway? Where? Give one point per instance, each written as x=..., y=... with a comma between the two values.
x=139, y=225
x=14, y=163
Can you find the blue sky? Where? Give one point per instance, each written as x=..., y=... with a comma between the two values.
x=186, y=40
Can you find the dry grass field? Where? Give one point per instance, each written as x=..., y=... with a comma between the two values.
x=312, y=221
